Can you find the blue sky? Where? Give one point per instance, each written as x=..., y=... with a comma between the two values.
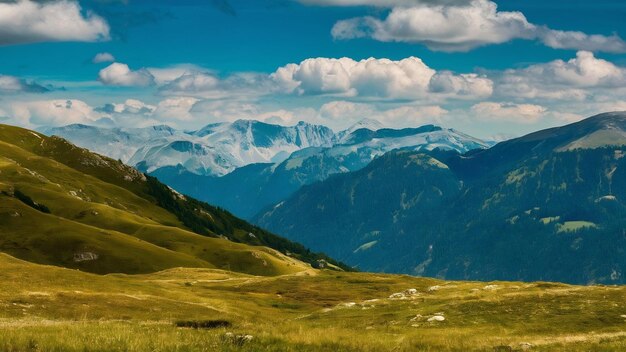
x=492, y=69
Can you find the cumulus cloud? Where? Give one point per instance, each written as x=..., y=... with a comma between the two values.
x=192, y=82
x=11, y=84
x=26, y=21
x=409, y=78
x=381, y=3
x=565, y=80
x=133, y=112
x=130, y=106
x=176, y=108
x=168, y=74
x=118, y=74
x=53, y=112
x=520, y=113
x=103, y=57
x=454, y=27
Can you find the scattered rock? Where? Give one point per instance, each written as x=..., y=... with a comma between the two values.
x=237, y=340
x=417, y=317
x=398, y=295
x=251, y=235
x=411, y=291
x=525, y=346
x=434, y=288
x=15, y=214
x=436, y=318
x=490, y=287
x=85, y=257
x=406, y=294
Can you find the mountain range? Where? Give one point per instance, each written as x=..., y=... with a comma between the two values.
x=247, y=166
x=425, y=201
x=215, y=149
x=546, y=206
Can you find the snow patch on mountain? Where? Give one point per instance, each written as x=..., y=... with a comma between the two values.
x=216, y=149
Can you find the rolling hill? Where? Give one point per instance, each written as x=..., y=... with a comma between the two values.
x=66, y=206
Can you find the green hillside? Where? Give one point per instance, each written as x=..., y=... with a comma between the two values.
x=48, y=308
x=63, y=205
x=549, y=206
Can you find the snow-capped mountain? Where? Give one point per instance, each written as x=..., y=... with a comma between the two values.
x=246, y=165
x=248, y=190
x=368, y=124
x=117, y=143
x=216, y=149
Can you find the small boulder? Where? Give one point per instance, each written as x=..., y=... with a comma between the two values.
x=85, y=257
x=436, y=318
x=398, y=295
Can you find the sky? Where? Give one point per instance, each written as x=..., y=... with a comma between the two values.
x=493, y=69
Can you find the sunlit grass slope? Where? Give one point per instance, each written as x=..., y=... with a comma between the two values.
x=100, y=226
x=46, y=308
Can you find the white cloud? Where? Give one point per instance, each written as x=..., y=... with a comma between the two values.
x=130, y=106
x=574, y=79
x=454, y=27
x=25, y=21
x=11, y=84
x=520, y=113
x=53, y=112
x=176, y=108
x=192, y=82
x=581, y=41
x=381, y=3
x=409, y=78
x=103, y=57
x=168, y=74
x=118, y=74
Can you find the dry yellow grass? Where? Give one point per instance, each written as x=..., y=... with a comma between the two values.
x=44, y=308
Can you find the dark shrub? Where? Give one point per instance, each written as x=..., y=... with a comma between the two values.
x=30, y=202
x=203, y=324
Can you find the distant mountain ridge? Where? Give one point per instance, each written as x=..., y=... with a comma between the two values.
x=246, y=166
x=547, y=206
x=248, y=190
x=216, y=149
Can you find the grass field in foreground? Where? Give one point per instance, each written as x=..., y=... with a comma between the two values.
x=46, y=308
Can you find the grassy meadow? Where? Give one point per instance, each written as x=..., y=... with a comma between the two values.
x=46, y=308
